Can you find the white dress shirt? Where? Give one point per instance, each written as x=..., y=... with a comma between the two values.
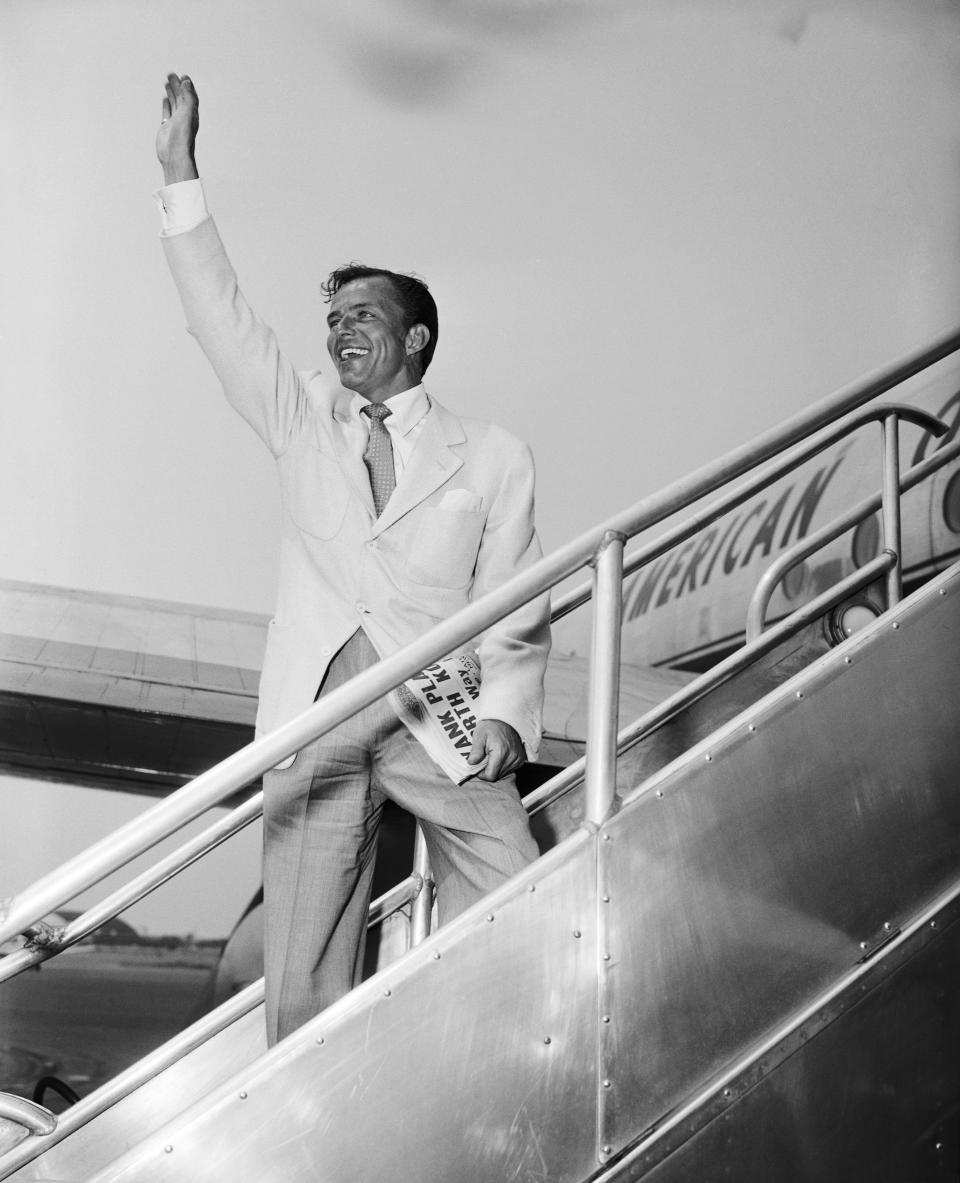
x=408, y=411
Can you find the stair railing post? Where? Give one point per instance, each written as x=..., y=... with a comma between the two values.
x=604, y=700
x=890, y=439
x=421, y=909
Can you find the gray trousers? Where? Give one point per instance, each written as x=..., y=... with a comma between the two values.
x=321, y=818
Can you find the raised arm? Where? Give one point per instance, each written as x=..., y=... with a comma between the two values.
x=177, y=134
x=257, y=379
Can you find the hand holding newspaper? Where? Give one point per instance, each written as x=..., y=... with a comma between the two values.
x=437, y=705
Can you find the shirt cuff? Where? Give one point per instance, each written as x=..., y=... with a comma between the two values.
x=182, y=206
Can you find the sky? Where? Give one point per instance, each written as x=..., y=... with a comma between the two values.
x=45, y=824
x=653, y=229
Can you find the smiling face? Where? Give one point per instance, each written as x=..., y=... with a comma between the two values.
x=373, y=352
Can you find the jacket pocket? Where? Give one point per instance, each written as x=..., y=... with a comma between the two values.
x=445, y=547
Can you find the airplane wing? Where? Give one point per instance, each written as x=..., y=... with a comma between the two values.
x=121, y=692
x=142, y=695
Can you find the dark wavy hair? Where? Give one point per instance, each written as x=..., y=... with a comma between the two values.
x=412, y=294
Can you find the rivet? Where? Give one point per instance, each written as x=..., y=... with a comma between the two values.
x=606, y=837
x=942, y=591
x=243, y=1095
x=752, y=727
x=799, y=694
x=728, y=1093
x=320, y=1040
x=608, y=1150
x=547, y=1039
x=436, y=957
x=896, y=624
x=863, y=944
x=490, y=916
x=605, y=1019
x=606, y=899
x=168, y=1150
x=708, y=757
x=659, y=792
x=576, y=933
x=933, y=924
x=532, y=887
x=938, y=1146
x=386, y=993
x=606, y=1084
x=606, y=957
x=886, y=926
x=847, y=660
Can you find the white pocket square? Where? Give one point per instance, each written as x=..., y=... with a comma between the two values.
x=461, y=500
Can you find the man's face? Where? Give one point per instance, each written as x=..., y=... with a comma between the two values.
x=368, y=342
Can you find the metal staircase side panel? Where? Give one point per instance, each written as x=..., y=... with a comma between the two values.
x=473, y=1058
x=551, y=1028
x=864, y=1088
x=775, y=856
x=101, y=1138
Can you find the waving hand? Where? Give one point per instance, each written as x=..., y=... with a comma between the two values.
x=177, y=134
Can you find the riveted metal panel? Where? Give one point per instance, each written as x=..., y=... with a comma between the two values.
x=866, y=1089
x=546, y=1031
x=769, y=861
x=475, y=1058
x=111, y=1133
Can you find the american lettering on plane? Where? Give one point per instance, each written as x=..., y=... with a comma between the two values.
x=755, y=531
x=950, y=414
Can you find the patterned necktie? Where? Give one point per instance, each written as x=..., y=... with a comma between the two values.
x=378, y=456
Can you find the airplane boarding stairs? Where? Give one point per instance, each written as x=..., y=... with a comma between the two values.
x=747, y=971
x=737, y=956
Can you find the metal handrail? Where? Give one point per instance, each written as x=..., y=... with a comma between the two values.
x=212, y=787
x=602, y=548
x=421, y=912
x=185, y=855
x=551, y=790
x=771, y=578
x=179, y=1045
x=890, y=511
x=787, y=461
x=571, y=776
x=126, y=1082
x=410, y=889
x=136, y=889
x=35, y=1118
x=604, y=694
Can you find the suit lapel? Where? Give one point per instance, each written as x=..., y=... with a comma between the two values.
x=433, y=461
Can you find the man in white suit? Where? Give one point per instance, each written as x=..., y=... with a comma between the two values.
x=396, y=513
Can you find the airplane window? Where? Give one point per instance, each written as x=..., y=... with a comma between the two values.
x=866, y=540
x=850, y=617
x=951, y=503
x=856, y=617
x=795, y=580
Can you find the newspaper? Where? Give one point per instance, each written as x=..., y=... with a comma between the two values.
x=437, y=705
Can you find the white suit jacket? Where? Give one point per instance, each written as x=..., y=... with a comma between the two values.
x=459, y=523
